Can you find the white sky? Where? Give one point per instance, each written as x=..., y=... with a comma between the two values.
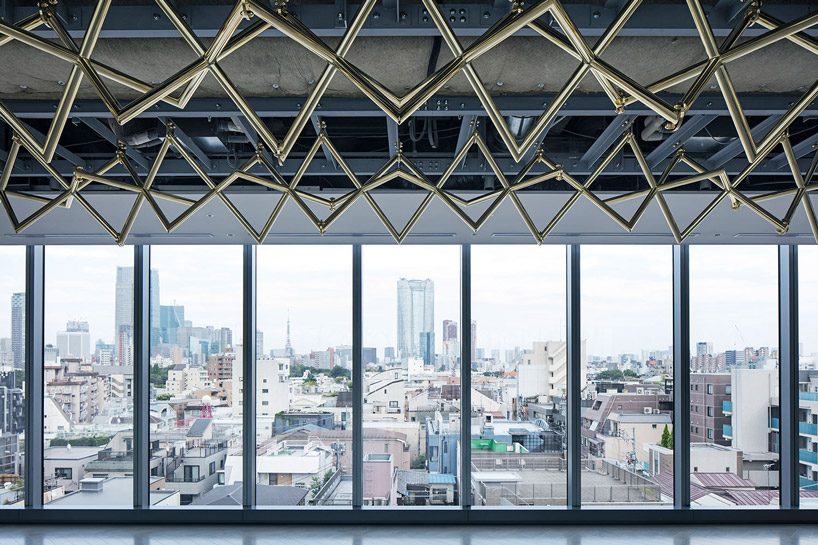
x=518, y=292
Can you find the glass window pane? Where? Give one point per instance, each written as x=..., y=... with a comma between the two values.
x=627, y=323
x=304, y=391
x=734, y=376
x=12, y=374
x=412, y=389
x=88, y=374
x=518, y=376
x=808, y=376
x=196, y=347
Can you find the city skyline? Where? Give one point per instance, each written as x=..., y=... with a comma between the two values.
x=330, y=301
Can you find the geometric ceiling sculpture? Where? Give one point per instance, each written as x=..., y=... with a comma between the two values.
x=515, y=155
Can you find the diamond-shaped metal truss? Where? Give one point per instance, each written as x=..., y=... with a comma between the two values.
x=622, y=91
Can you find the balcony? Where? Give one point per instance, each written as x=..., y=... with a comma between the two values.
x=808, y=396
x=727, y=432
x=807, y=484
x=805, y=428
x=808, y=456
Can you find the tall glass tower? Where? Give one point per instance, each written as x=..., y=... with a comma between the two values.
x=123, y=314
x=416, y=317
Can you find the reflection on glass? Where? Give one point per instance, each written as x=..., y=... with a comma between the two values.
x=734, y=410
x=411, y=364
x=304, y=366
x=518, y=376
x=196, y=375
x=88, y=375
x=12, y=363
x=808, y=377
x=627, y=399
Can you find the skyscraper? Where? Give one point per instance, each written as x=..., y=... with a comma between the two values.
x=75, y=341
x=416, y=315
x=451, y=346
x=427, y=347
x=449, y=330
x=18, y=329
x=171, y=318
x=123, y=314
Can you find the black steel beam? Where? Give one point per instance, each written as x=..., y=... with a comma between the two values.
x=689, y=129
x=392, y=135
x=437, y=106
x=191, y=146
x=681, y=377
x=470, y=19
x=141, y=377
x=801, y=149
x=316, y=123
x=248, y=386
x=788, y=374
x=574, y=376
x=34, y=386
x=358, y=384
x=612, y=133
x=430, y=164
x=465, y=376
x=105, y=132
x=734, y=148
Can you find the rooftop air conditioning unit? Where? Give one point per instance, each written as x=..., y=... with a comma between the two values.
x=648, y=410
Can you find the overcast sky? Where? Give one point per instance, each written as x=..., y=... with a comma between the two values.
x=518, y=292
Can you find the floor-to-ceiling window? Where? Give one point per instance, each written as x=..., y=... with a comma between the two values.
x=518, y=376
x=411, y=297
x=196, y=375
x=413, y=365
x=304, y=376
x=12, y=374
x=808, y=376
x=88, y=377
x=627, y=397
x=734, y=403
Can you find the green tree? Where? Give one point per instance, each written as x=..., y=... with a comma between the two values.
x=630, y=373
x=338, y=371
x=419, y=462
x=667, y=438
x=158, y=375
x=610, y=374
x=93, y=441
x=315, y=485
x=164, y=397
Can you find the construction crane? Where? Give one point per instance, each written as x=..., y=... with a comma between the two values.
x=740, y=335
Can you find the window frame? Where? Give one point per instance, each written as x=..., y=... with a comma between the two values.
x=788, y=511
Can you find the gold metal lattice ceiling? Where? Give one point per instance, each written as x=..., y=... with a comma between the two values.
x=622, y=91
